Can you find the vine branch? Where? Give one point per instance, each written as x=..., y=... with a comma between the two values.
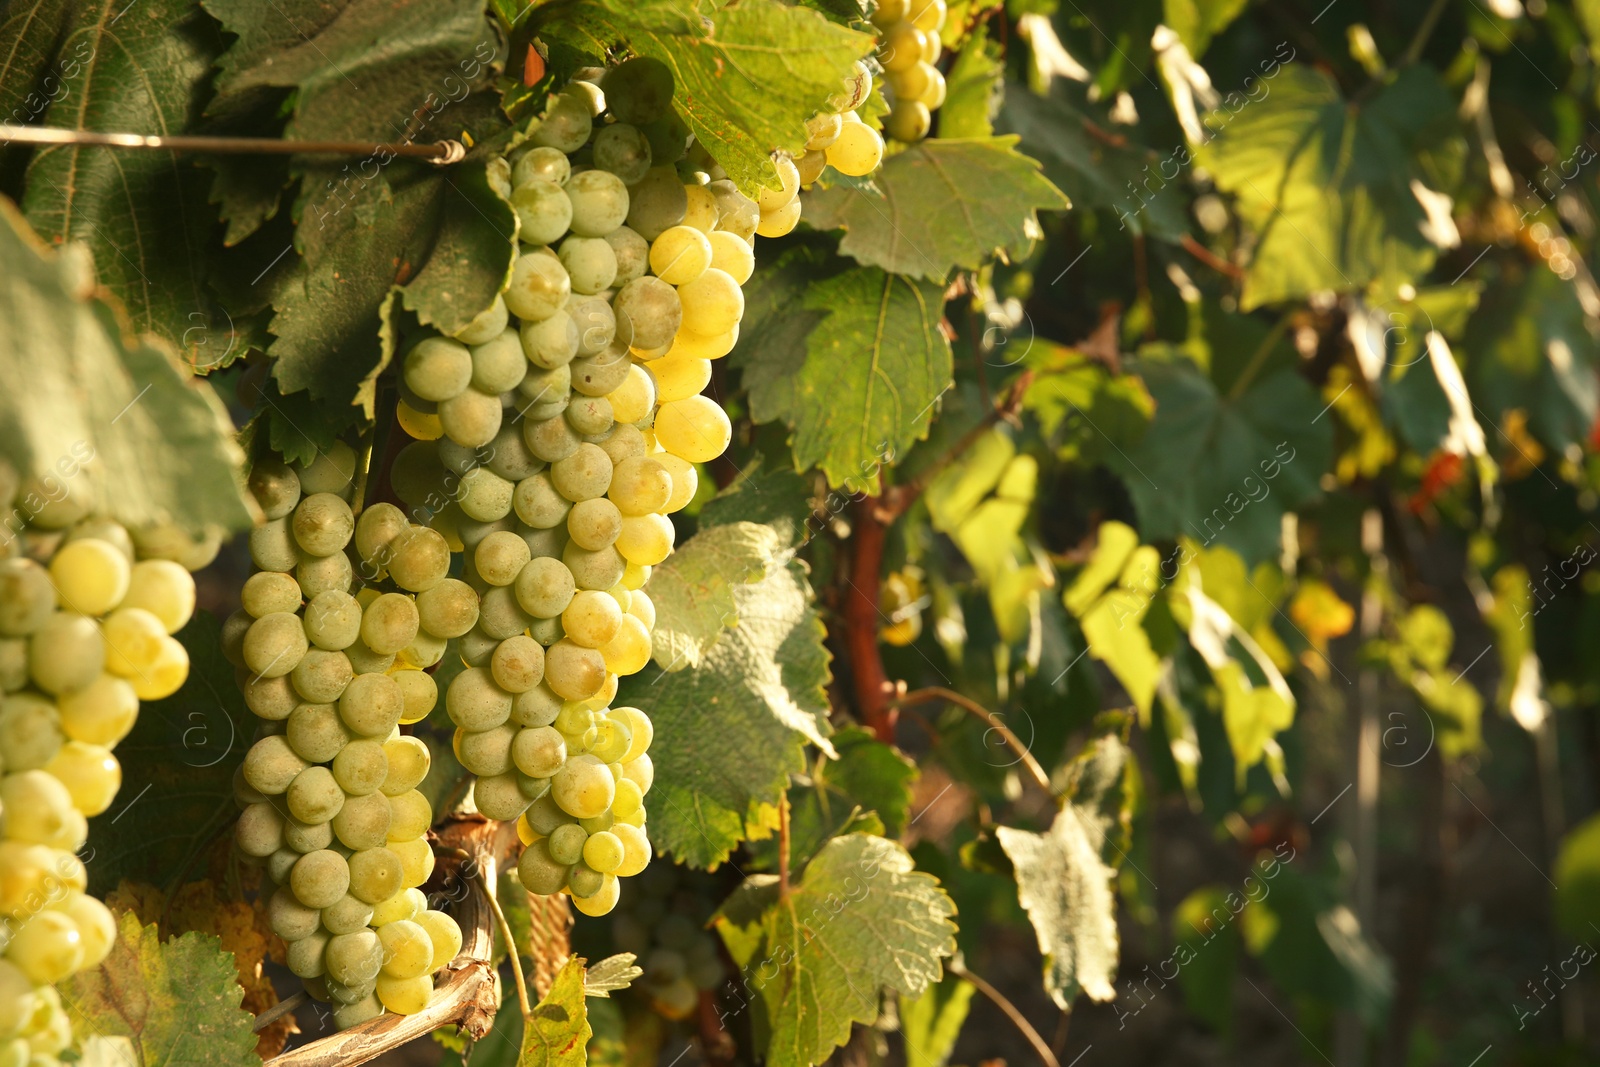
x=978, y=711
x=1020, y=1021
x=784, y=844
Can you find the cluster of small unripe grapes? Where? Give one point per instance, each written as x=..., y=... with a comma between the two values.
x=333, y=667
x=908, y=50
x=665, y=927
x=838, y=138
x=555, y=434
x=87, y=614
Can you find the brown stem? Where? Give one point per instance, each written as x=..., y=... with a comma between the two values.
x=1017, y=1018
x=861, y=622
x=978, y=711
x=1210, y=258
x=513, y=950
x=783, y=847
x=442, y=152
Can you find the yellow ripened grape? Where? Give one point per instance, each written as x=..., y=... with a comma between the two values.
x=602, y=901
x=133, y=641
x=640, y=729
x=702, y=208
x=92, y=576
x=911, y=83
x=901, y=48
x=48, y=947
x=419, y=694
x=695, y=429
x=66, y=653
x=97, y=927
x=685, y=480
x=629, y=651
x=404, y=996
x=640, y=605
x=732, y=255
x=779, y=221
x=811, y=165
x=681, y=254
x=773, y=199
x=634, y=399
x=407, y=950
x=695, y=346
x=680, y=376
x=164, y=589
x=646, y=539
x=822, y=130
x=420, y=425
x=636, y=851
x=90, y=773
x=640, y=485
x=591, y=619
x=35, y=807
x=416, y=860
x=583, y=787
x=933, y=97
x=101, y=713
x=712, y=304
x=926, y=15
x=909, y=120
x=572, y=671
x=166, y=675
x=628, y=799
x=603, y=851
x=444, y=934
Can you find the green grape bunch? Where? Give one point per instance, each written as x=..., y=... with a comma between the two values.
x=561, y=429
x=333, y=666
x=909, y=49
x=88, y=610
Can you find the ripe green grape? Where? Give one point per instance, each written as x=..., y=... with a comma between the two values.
x=638, y=90
x=498, y=364
x=376, y=874
x=539, y=286
x=500, y=614
x=322, y=524
x=321, y=676
x=736, y=213
x=599, y=202
x=543, y=211
x=623, y=150
x=517, y=664
x=471, y=418
x=484, y=496
x=544, y=587
x=591, y=619
x=584, y=475
x=539, y=872
x=66, y=653
x=419, y=692
x=353, y=959
x=583, y=787
x=572, y=671
x=421, y=560
x=371, y=704
x=266, y=592
x=591, y=263
x=486, y=324
x=604, y=852
x=600, y=374
x=389, y=623
x=474, y=702
x=565, y=125
x=316, y=733
x=320, y=879
x=332, y=619
x=632, y=252
x=410, y=816
x=437, y=368
x=448, y=609
x=548, y=164
x=406, y=762
x=590, y=416
x=485, y=752
x=364, y=821
x=552, y=341
x=274, y=486
x=362, y=766
x=656, y=202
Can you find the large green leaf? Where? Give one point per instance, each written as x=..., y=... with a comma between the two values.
x=1224, y=467
x=177, y=1000
x=144, y=215
x=86, y=398
x=1065, y=878
x=1084, y=409
x=1097, y=174
x=944, y=204
x=768, y=493
x=1329, y=187
x=731, y=731
x=860, y=920
x=866, y=790
x=558, y=1032
x=381, y=71
x=177, y=778
x=852, y=362
x=693, y=589
x=748, y=75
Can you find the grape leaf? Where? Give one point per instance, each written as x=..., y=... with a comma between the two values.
x=860, y=920
x=1329, y=187
x=1065, y=881
x=178, y=1000
x=178, y=764
x=874, y=362
x=1198, y=21
x=1223, y=467
x=944, y=204
x=866, y=790
x=381, y=71
x=729, y=733
x=155, y=441
x=775, y=496
x=693, y=589
x=1085, y=409
x=930, y=1023
x=144, y=215
x=748, y=75
x=559, y=1028
x=1095, y=173
x=972, y=89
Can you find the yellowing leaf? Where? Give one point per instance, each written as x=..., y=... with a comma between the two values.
x=558, y=1032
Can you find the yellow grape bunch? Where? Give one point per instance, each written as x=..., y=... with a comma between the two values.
x=331, y=646
x=556, y=433
x=909, y=50
x=87, y=613
x=838, y=138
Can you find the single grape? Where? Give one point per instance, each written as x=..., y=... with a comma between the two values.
x=474, y=702
x=549, y=164
x=365, y=821
x=389, y=623
x=539, y=872
x=47, y=947
x=591, y=263
x=437, y=368
x=517, y=664
x=320, y=879
x=421, y=560
x=539, y=286
x=489, y=322
x=91, y=576
x=572, y=671
x=736, y=213
x=678, y=377
x=909, y=120
x=498, y=364
x=471, y=418
x=694, y=429
x=376, y=874
x=623, y=150
x=363, y=765
x=371, y=704
x=601, y=374
x=565, y=125
x=543, y=211
x=656, y=202
x=638, y=90
x=101, y=713
x=599, y=202
x=274, y=486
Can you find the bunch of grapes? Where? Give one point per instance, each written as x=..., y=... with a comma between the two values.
x=839, y=138
x=908, y=50
x=333, y=667
x=665, y=927
x=555, y=434
x=87, y=614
